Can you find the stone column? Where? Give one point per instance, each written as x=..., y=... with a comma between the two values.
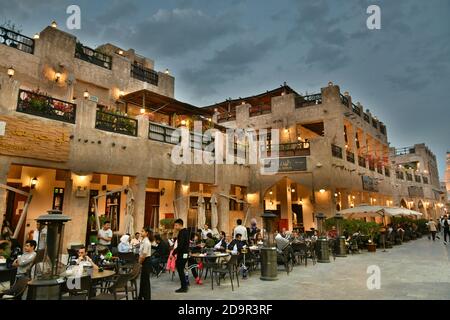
x=4, y=169
x=138, y=185
x=76, y=206
x=181, y=200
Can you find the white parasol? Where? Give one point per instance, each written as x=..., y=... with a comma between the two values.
x=201, y=215
x=214, y=215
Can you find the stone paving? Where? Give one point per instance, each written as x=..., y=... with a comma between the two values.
x=415, y=270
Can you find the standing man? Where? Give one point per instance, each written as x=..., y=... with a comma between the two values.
x=181, y=250
x=205, y=232
x=445, y=225
x=240, y=229
x=105, y=235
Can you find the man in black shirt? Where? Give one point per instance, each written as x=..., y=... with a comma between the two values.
x=160, y=254
x=182, y=253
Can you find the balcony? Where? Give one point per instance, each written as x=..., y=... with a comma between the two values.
x=260, y=110
x=380, y=169
x=344, y=100
x=162, y=133
x=16, y=40
x=350, y=157
x=41, y=105
x=366, y=117
x=361, y=161
x=290, y=149
x=116, y=123
x=336, y=151
x=356, y=109
x=371, y=165
x=92, y=56
x=309, y=100
x=226, y=116
x=144, y=74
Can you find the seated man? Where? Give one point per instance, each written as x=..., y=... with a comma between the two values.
x=236, y=245
x=84, y=259
x=222, y=244
x=209, y=243
x=25, y=261
x=160, y=254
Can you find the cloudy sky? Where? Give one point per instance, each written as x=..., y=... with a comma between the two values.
x=221, y=49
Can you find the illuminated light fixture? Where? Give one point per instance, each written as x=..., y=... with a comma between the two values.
x=335, y=194
x=243, y=102
x=54, y=24
x=33, y=183
x=346, y=93
x=299, y=138
x=11, y=71
x=353, y=197
x=120, y=52
x=346, y=146
x=292, y=190
x=167, y=71
x=286, y=130
x=57, y=76
x=142, y=110
x=322, y=190
x=270, y=192
x=86, y=94
x=209, y=119
x=36, y=36
x=121, y=94
x=330, y=83
x=374, y=200
x=183, y=122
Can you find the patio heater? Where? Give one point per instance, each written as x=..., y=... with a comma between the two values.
x=323, y=253
x=340, y=245
x=48, y=266
x=269, y=250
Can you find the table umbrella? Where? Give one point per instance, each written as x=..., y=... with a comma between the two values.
x=214, y=215
x=129, y=217
x=201, y=215
x=363, y=210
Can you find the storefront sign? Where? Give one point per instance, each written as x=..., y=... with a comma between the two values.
x=285, y=164
x=33, y=138
x=369, y=184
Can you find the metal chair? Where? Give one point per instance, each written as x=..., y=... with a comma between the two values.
x=300, y=252
x=230, y=268
x=119, y=284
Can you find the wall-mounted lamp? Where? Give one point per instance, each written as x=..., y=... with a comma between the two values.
x=322, y=190
x=57, y=76
x=36, y=36
x=33, y=183
x=183, y=122
x=167, y=71
x=121, y=94
x=54, y=24
x=86, y=94
x=142, y=110
x=11, y=71
x=270, y=192
x=120, y=52
x=293, y=190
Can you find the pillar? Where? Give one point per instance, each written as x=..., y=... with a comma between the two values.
x=138, y=185
x=182, y=201
x=4, y=170
x=76, y=206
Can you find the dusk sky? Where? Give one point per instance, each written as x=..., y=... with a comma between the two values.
x=221, y=49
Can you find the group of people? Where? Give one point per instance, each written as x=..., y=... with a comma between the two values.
x=436, y=227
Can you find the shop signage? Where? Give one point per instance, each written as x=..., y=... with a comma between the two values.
x=289, y=164
x=33, y=138
x=369, y=184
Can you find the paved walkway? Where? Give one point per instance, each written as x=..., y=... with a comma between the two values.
x=415, y=270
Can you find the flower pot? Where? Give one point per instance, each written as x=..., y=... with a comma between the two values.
x=371, y=247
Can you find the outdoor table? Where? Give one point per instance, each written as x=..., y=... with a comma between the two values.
x=50, y=285
x=96, y=277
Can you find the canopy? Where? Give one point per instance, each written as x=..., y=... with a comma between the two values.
x=363, y=210
x=201, y=219
x=396, y=211
x=214, y=215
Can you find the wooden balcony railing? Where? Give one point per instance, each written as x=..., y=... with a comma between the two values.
x=16, y=40
x=93, y=56
x=362, y=161
x=356, y=109
x=350, y=157
x=344, y=100
x=144, y=74
x=289, y=149
x=116, y=123
x=336, y=151
x=226, y=116
x=366, y=117
x=309, y=100
x=260, y=110
x=44, y=106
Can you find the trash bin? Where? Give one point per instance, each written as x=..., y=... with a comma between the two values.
x=269, y=264
x=323, y=253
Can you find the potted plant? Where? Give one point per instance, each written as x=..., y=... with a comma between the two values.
x=371, y=229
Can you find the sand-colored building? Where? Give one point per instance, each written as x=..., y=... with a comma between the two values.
x=77, y=123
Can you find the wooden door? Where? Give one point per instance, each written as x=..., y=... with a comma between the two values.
x=151, y=216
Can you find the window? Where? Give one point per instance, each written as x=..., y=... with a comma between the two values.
x=58, y=199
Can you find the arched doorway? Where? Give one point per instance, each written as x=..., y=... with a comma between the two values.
x=403, y=204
